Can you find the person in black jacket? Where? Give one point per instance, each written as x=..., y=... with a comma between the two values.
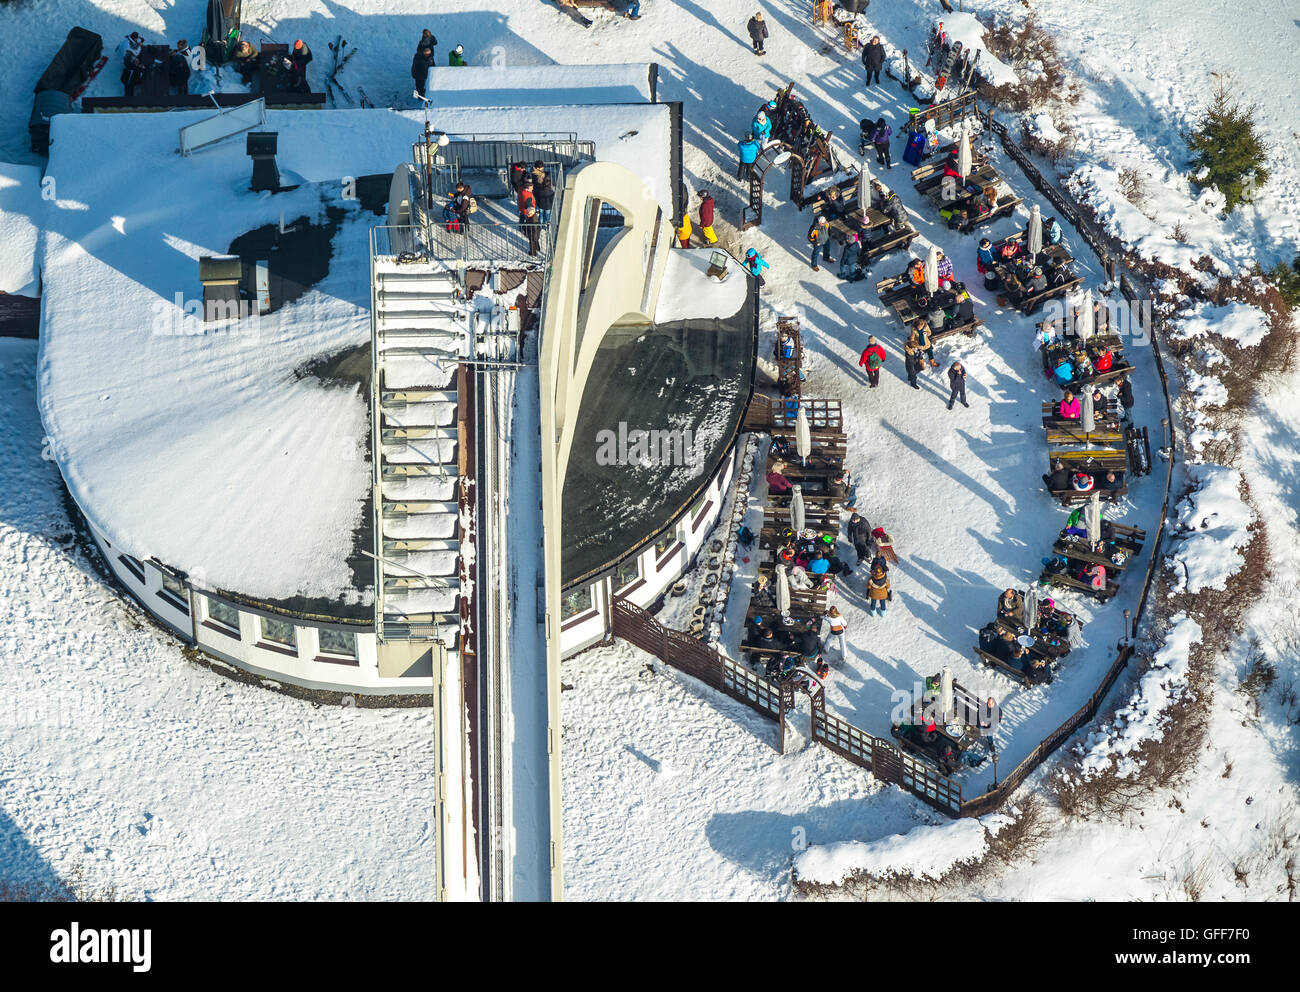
x=1125, y=397
x=758, y=33
x=860, y=536
x=873, y=60
x=544, y=193
x=1059, y=480
x=420, y=65
x=297, y=62
x=178, y=68
x=957, y=379
x=132, y=71
x=427, y=40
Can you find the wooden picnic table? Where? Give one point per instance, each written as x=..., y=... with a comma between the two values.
x=1009, y=670
x=1069, y=582
x=1024, y=300
x=900, y=294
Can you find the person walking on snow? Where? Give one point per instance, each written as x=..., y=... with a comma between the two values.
x=873, y=60
x=880, y=136
x=749, y=149
x=420, y=65
x=819, y=236
x=957, y=377
x=925, y=344
x=758, y=33
x=873, y=359
x=912, y=361
x=706, y=217
x=838, y=628
x=878, y=591
x=849, y=256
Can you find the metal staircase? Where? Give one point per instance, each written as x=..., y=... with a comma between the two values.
x=420, y=331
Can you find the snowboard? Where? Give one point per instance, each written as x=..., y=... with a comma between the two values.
x=941, y=78
x=94, y=71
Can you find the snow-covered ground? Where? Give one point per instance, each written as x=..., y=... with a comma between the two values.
x=168, y=781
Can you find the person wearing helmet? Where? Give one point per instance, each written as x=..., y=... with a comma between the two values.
x=297, y=62
x=457, y=56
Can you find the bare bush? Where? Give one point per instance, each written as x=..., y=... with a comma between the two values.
x=1132, y=185
x=1033, y=54
x=1179, y=234
x=1054, y=150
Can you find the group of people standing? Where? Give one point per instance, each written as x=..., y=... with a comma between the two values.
x=426, y=57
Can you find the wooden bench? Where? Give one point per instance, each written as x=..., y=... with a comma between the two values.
x=1010, y=671
x=1057, y=252
x=1069, y=582
x=1031, y=302
x=1040, y=647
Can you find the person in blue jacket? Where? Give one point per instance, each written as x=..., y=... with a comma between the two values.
x=755, y=264
x=749, y=149
x=761, y=130
x=1051, y=231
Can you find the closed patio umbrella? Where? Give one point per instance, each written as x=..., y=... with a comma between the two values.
x=864, y=185
x=1034, y=238
x=797, y=514
x=963, y=153
x=945, y=694
x=782, y=591
x=932, y=270
x=1092, y=518
x=1089, y=414
x=802, y=435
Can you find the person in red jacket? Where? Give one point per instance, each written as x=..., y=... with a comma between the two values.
x=873, y=357
x=526, y=197
x=706, y=217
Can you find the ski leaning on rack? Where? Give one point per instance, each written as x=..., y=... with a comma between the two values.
x=968, y=78
x=950, y=60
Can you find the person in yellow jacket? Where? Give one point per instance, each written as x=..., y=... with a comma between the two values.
x=684, y=231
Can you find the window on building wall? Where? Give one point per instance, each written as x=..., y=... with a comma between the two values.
x=174, y=591
x=340, y=643
x=627, y=573
x=279, y=632
x=576, y=602
x=223, y=615
x=665, y=542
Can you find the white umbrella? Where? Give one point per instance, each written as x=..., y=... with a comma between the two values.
x=1034, y=239
x=797, y=510
x=1092, y=518
x=963, y=153
x=782, y=591
x=1086, y=329
x=945, y=694
x=1031, y=606
x=802, y=435
x=932, y=271
x=1089, y=414
x=864, y=185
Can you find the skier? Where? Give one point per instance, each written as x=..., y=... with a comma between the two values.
x=706, y=217
x=684, y=229
x=178, y=68
x=758, y=33
x=297, y=62
x=873, y=60
x=749, y=149
x=872, y=359
x=457, y=56
x=761, y=129
x=755, y=264
x=420, y=66
x=880, y=136
x=819, y=236
x=957, y=378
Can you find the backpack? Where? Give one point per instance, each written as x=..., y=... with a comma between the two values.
x=473, y=205
x=745, y=536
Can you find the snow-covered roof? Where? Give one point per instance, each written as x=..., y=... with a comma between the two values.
x=213, y=451
x=20, y=203
x=539, y=85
